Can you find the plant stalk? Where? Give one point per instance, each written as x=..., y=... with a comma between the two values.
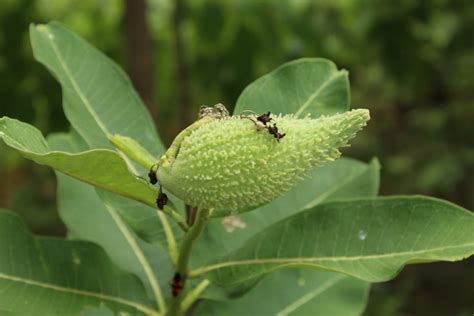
x=194, y=294
x=185, y=253
x=177, y=217
x=172, y=247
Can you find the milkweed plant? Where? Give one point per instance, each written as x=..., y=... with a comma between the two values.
x=249, y=213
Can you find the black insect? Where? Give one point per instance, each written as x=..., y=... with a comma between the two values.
x=177, y=284
x=261, y=122
x=273, y=130
x=152, y=175
x=264, y=118
x=161, y=200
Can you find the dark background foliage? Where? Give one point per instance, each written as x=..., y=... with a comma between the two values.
x=411, y=63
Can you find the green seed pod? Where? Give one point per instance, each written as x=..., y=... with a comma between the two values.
x=232, y=163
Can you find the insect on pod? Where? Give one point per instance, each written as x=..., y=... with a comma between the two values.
x=264, y=118
x=161, y=200
x=152, y=175
x=261, y=123
x=273, y=130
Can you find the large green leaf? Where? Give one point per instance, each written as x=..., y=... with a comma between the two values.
x=101, y=167
x=304, y=86
x=80, y=205
x=296, y=292
x=48, y=276
x=98, y=98
x=370, y=239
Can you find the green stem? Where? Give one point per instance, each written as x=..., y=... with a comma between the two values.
x=172, y=247
x=177, y=217
x=193, y=295
x=133, y=150
x=185, y=253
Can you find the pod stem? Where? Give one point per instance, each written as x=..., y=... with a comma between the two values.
x=187, y=243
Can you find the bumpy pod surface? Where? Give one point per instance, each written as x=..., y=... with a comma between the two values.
x=227, y=164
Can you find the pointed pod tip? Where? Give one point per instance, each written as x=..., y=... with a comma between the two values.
x=363, y=113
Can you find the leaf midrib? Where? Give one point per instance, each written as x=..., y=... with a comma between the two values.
x=99, y=296
x=315, y=94
x=311, y=295
x=76, y=87
x=139, y=255
x=323, y=196
x=303, y=260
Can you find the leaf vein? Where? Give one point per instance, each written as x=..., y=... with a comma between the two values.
x=100, y=296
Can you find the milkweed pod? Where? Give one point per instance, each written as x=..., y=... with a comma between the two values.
x=227, y=164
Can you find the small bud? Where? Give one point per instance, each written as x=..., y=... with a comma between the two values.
x=228, y=164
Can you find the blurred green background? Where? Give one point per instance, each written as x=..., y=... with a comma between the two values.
x=410, y=62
